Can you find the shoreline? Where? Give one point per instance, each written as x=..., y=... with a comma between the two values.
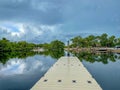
x=94, y=49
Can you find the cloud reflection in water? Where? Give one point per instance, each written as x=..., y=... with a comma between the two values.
x=21, y=74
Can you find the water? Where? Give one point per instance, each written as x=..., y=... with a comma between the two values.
x=107, y=75
x=21, y=73
x=104, y=67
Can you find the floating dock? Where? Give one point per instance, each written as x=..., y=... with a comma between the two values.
x=68, y=73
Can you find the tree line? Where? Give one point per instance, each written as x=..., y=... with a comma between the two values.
x=52, y=46
x=95, y=41
x=23, y=49
x=6, y=45
x=55, y=48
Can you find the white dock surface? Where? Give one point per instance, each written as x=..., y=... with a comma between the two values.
x=68, y=73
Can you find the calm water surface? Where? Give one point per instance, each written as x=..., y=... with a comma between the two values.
x=22, y=74
x=107, y=75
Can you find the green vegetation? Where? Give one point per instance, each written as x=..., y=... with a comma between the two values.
x=23, y=49
x=56, y=44
x=6, y=45
x=97, y=57
x=56, y=49
x=5, y=56
x=95, y=41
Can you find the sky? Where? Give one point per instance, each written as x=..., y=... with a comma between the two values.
x=41, y=21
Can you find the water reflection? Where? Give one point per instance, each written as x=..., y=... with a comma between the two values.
x=104, y=67
x=97, y=57
x=21, y=70
x=5, y=56
x=21, y=74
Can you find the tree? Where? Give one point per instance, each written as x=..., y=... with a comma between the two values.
x=56, y=49
x=4, y=45
x=118, y=41
x=46, y=46
x=78, y=42
x=90, y=40
x=103, y=39
x=57, y=45
x=111, y=41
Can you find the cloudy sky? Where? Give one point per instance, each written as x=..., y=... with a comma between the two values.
x=41, y=21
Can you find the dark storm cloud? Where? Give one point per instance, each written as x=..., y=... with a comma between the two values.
x=66, y=16
x=91, y=14
x=75, y=14
x=35, y=11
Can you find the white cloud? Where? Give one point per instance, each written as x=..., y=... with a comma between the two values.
x=25, y=66
x=29, y=32
x=17, y=66
x=15, y=34
x=32, y=32
x=13, y=67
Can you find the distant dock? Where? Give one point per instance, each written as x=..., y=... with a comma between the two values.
x=68, y=73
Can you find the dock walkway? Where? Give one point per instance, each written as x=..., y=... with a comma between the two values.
x=68, y=73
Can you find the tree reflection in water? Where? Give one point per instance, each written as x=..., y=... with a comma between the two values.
x=5, y=56
x=97, y=57
x=56, y=54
